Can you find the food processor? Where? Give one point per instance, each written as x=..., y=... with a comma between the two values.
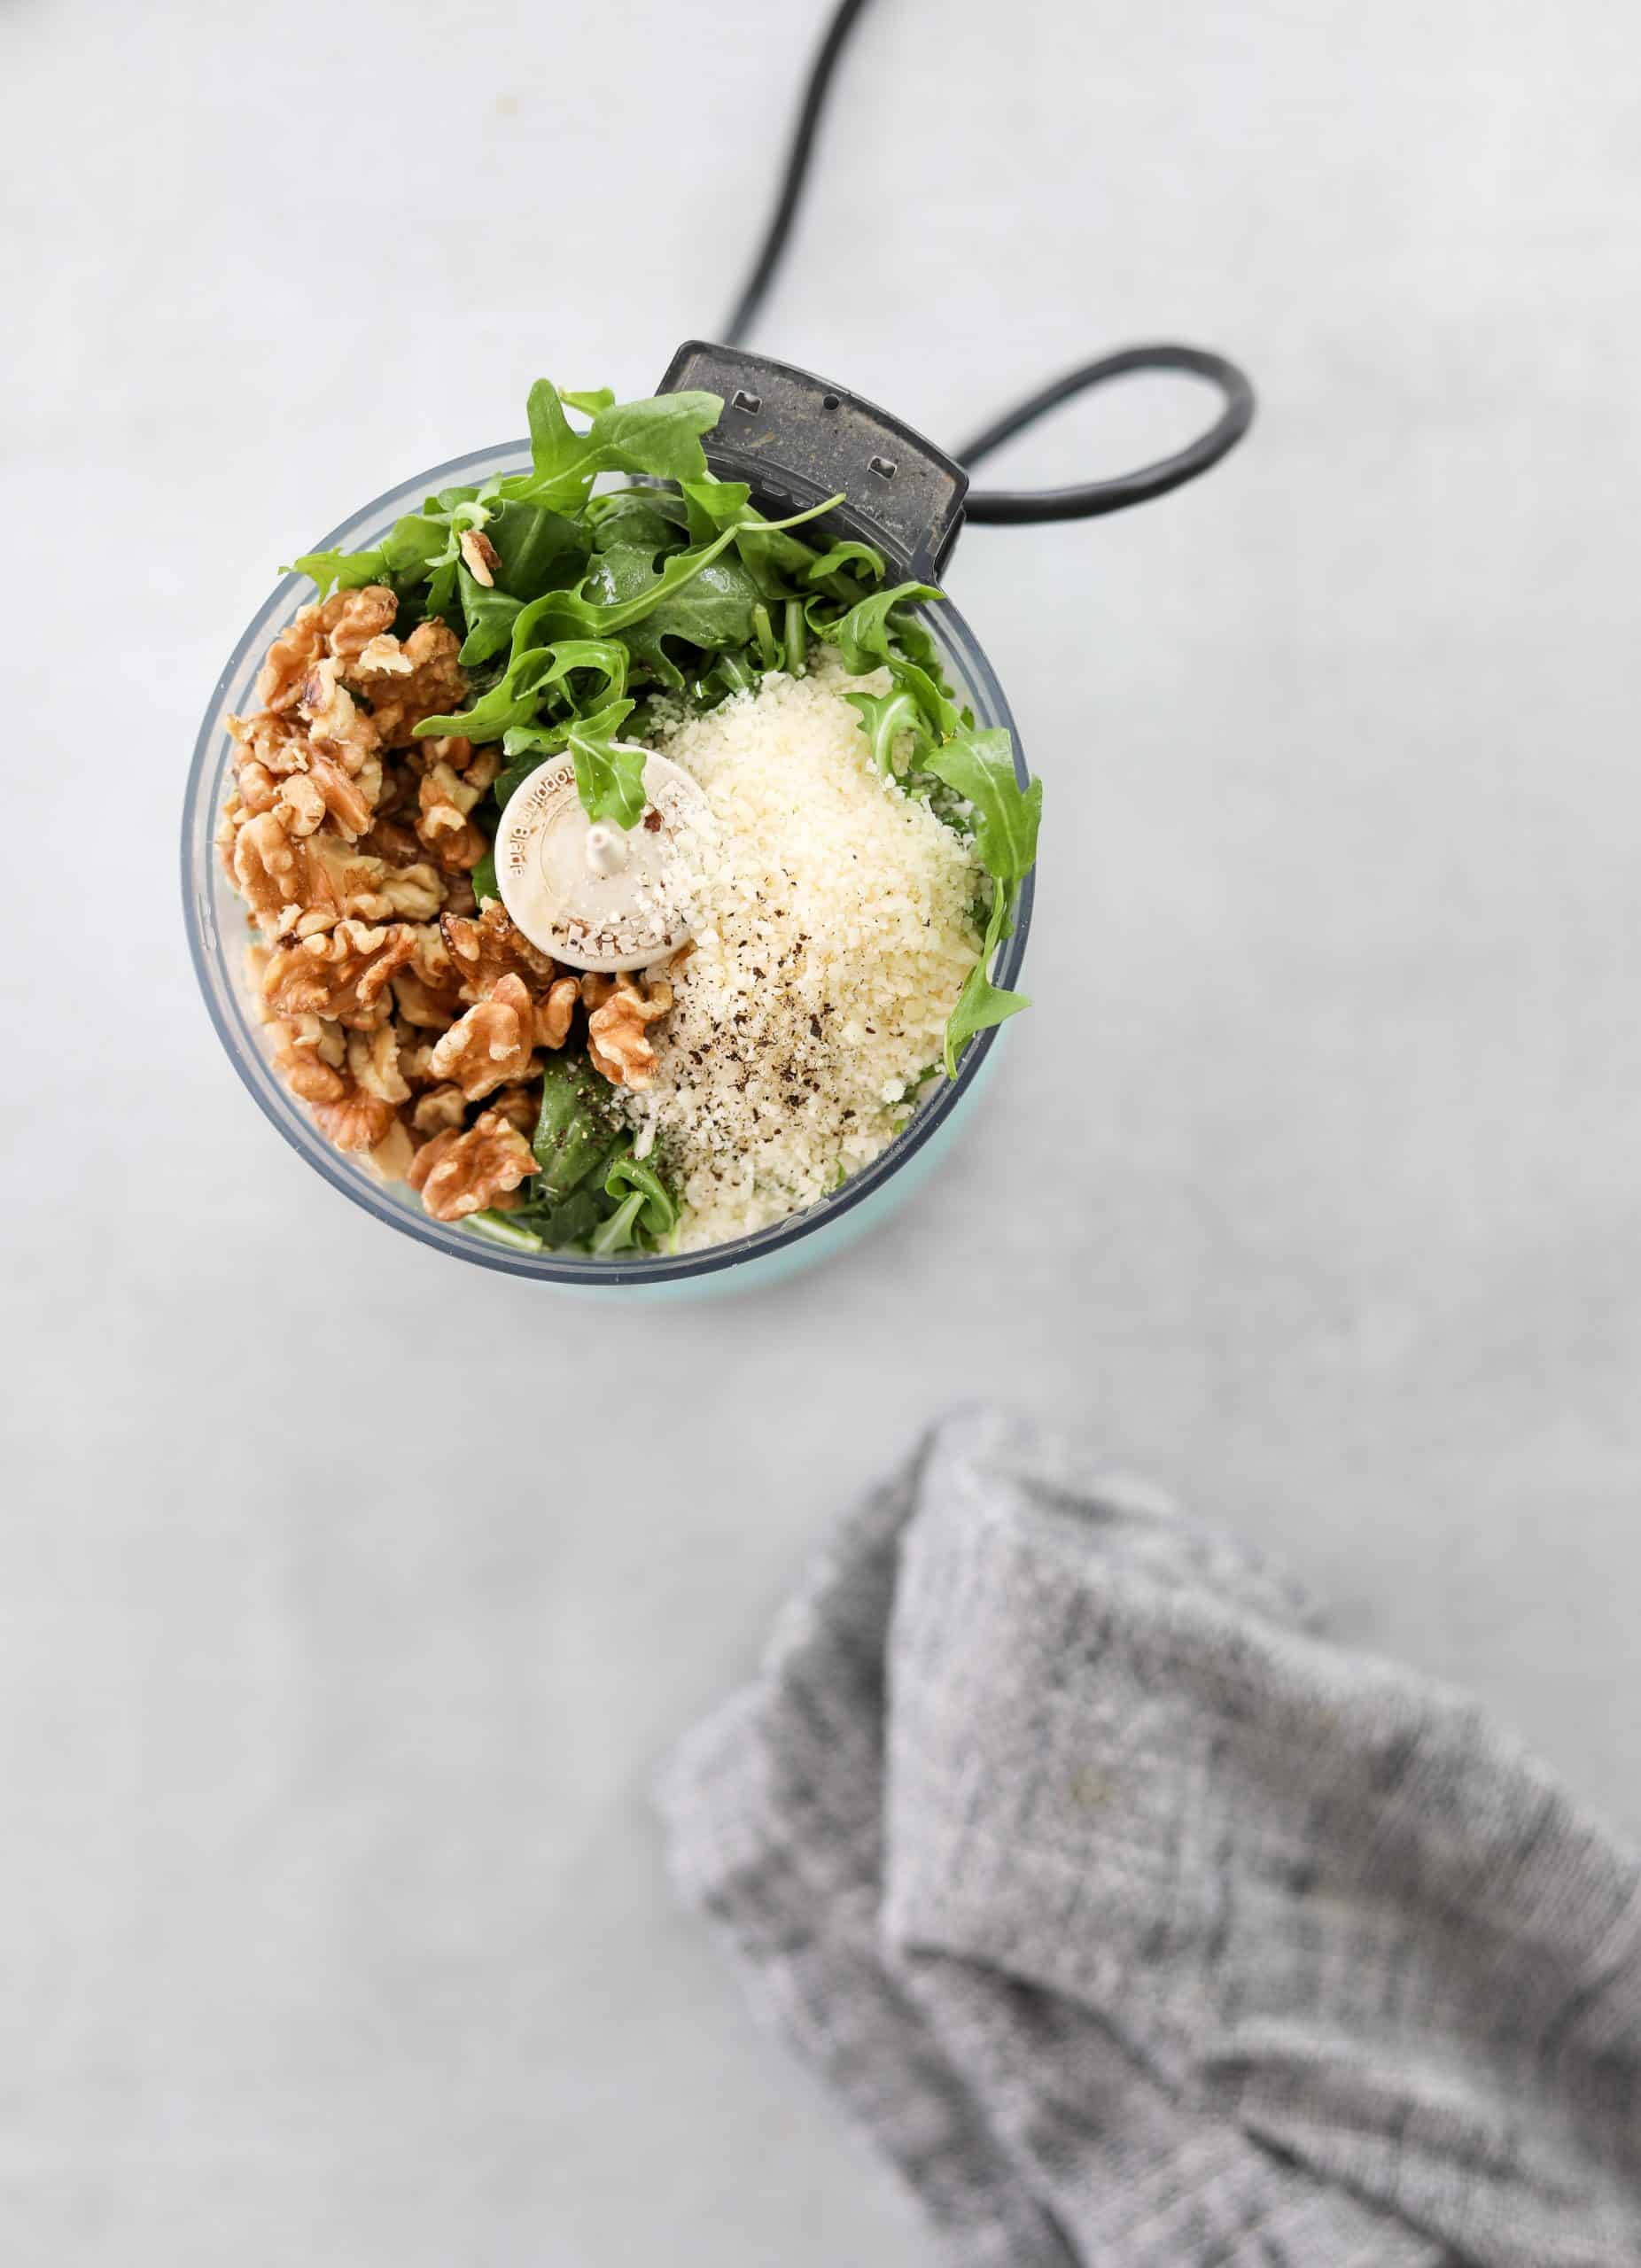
x=912, y=514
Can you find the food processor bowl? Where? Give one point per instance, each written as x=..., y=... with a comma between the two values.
x=218, y=934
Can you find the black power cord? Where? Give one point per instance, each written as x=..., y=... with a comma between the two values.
x=1006, y=507
x=772, y=250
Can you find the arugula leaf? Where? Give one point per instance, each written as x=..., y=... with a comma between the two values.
x=640, y=517
x=916, y=642
x=539, y=550
x=608, y=773
x=778, y=562
x=715, y=608
x=661, y=435
x=863, y=635
x=711, y=504
x=884, y=716
x=483, y=878
x=728, y=674
x=603, y=657
x=980, y=767
x=847, y=553
x=515, y=698
x=344, y=571
x=570, y=1222
x=575, y=1130
x=619, y=1231
x=489, y=614
x=443, y=597
x=981, y=1004
x=416, y=544
x=526, y=746
x=555, y=445
x=626, y=571
x=876, y=633
x=628, y=1175
x=928, y=690
x=682, y=567
x=590, y=401
x=501, y=1228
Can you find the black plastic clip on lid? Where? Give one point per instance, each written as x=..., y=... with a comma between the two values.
x=797, y=440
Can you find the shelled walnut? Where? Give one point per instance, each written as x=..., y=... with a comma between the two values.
x=409, y=1019
x=343, y=974
x=490, y=945
x=617, y=1035
x=463, y=1173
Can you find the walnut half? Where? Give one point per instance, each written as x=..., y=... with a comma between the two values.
x=458, y=1174
x=491, y=1044
x=617, y=1035
x=489, y=945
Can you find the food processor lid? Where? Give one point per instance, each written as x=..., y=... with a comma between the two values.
x=797, y=440
x=593, y=895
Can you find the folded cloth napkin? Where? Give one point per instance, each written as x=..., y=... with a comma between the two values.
x=1142, y=1927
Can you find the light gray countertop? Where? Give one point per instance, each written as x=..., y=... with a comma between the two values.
x=349, y=1599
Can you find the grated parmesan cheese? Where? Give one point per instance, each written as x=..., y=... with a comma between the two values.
x=834, y=927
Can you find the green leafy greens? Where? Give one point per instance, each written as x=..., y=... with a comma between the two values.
x=918, y=736
x=669, y=587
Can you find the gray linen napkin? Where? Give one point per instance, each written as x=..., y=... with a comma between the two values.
x=1144, y=1929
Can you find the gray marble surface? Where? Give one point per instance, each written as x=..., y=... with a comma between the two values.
x=348, y=1599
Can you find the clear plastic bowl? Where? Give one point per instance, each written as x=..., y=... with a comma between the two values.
x=217, y=936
